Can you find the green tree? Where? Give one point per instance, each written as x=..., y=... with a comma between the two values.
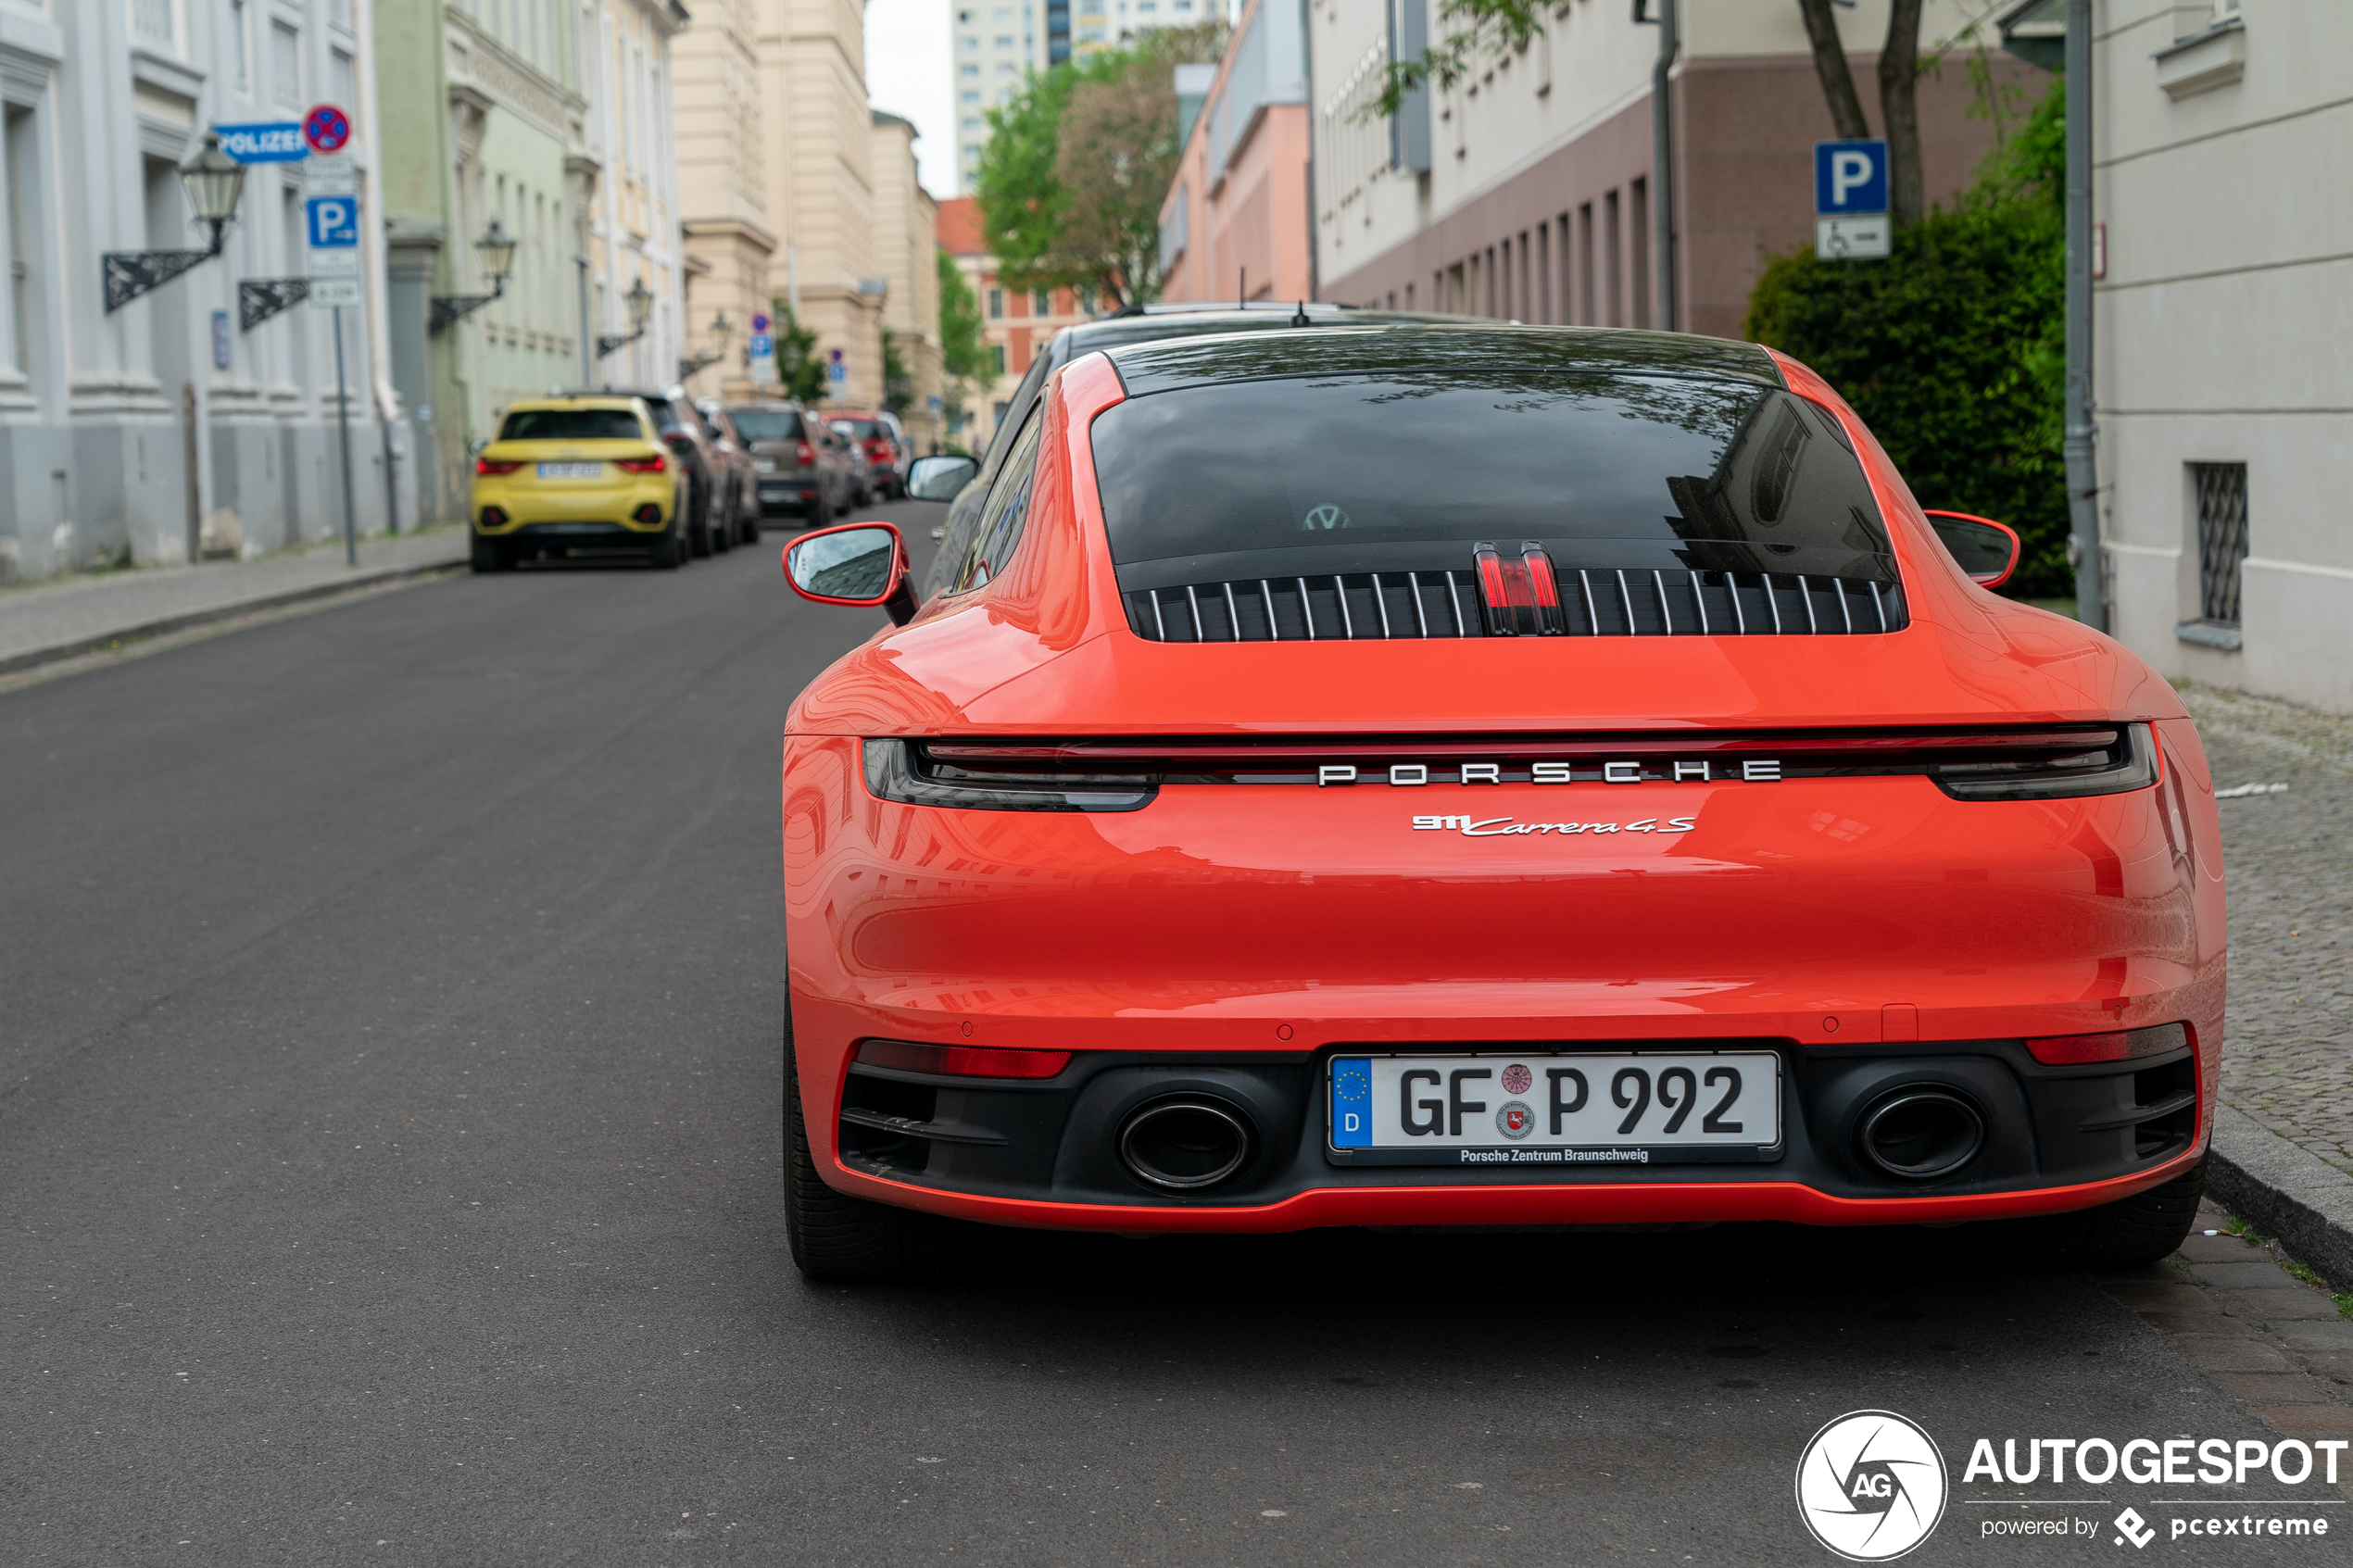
x=800, y=371
x=964, y=346
x=1953, y=348
x=899, y=383
x=1077, y=166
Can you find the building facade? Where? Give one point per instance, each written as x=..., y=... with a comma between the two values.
x=724, y=147
x=2222, y=373
x=1016, y=323
x=163, y=428
x=1235, y=225
x=813, y=65
x=1525, y=190
x=996, y=44
x=906, y=218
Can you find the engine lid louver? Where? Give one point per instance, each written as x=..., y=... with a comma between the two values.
x=1590, y=602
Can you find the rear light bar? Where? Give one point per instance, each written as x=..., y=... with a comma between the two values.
x=2121, y=1045
x=494, y=466
x=1522, y=592
x=654, y=464
x=962, y=1061
x=2027, y=763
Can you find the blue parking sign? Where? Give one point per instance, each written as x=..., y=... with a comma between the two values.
x=333, y=221
x=1849, y=177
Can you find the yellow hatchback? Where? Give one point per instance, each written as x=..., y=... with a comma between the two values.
x=576, y=473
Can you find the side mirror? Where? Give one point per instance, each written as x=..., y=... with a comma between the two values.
x=859, y=564
x=1987, y=551
x=939, y=478
x=473, y=447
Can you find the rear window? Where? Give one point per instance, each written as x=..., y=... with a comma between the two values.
x=766, y=424
x=1406, y=470
x=572, y=424
x=864, y=430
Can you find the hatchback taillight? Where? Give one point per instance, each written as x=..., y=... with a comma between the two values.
x=654, y=464
x=804, y=454
x=494, y=466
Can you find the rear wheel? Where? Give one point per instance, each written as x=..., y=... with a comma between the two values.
x=2126, y=1233
x=669, y=551
x=833, y=1236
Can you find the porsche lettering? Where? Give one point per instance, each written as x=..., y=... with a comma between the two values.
x=1416, y=776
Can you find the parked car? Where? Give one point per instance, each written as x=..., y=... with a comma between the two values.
x=797, y=471
x=743, y=475
x=1674, y=828
x=577, y=473
x=712, y=523
x=884, y=443
x=864, y=476
x=1134, y=325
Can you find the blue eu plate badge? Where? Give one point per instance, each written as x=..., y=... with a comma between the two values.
x=1351, y=1102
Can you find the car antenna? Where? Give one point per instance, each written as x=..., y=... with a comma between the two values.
x=1242, y=301
x=1301, y=319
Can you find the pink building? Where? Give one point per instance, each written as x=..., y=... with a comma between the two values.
x=1235, y=225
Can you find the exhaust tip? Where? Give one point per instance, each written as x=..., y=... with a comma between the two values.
x=1920, y=1134
x=1185, y=1144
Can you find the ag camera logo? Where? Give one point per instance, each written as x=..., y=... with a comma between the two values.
x=1870, y=1485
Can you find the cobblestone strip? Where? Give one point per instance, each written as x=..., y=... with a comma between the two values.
x=2279, y=1345
x=2288, y=864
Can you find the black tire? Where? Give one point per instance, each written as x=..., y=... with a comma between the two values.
x=834, y=1237
x=491, y=555
x=669, y=551
x=825, y=518
x=2131, y=1233
x=722, y=538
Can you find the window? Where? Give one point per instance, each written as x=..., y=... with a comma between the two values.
x=970, y=71
x=1348, y=470
x=285, y=66
x=997, y=358
x=341, y=88
x=969, y=43
x=972, y=96
x=151, y=22
x=241, y=48
x=1003, y=42
x=1042, y=302
x=996, y=305
x=572, y=424
x=1004, y=513
x=2221, y=539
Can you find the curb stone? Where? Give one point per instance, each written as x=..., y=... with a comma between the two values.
x=2283, y=1192
x=363, y=578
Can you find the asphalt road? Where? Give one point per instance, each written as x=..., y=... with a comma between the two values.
x=389, y=1154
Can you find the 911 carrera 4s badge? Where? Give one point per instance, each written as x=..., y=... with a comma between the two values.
x=1506, y=827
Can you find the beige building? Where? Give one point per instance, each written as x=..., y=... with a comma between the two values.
x=905, y=221
x=726, y=148
x=633, y=212
x=812, y=78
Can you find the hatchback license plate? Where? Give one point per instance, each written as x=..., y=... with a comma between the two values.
x=572, y=471
x=1616, y=1108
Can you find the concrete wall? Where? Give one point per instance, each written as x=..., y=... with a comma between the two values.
x=2224, y=332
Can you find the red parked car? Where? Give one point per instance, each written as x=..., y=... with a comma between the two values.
x=1258, y=833
x=879, y=436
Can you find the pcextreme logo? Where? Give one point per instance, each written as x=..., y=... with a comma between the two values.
x=1870, y=1485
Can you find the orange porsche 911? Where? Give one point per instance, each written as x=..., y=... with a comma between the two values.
x=1444, y=775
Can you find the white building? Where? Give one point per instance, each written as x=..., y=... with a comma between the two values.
x=141, y=432
x=2224, y=338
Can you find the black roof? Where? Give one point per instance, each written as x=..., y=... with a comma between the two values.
x=1366, y=345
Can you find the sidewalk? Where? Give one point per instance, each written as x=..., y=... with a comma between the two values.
x=2283, y=1132
x=42, y=623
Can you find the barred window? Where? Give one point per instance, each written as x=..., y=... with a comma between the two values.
x=2221, y=539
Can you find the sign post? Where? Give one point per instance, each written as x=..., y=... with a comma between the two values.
x=331, y=215
x=1850, y=201
x=763, y=351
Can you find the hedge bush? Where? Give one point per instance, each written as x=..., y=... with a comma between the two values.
x=1953, y=348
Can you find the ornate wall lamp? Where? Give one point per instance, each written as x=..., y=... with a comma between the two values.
x=497, y=249
x=640, y=301
x=213, y=180
x=722, y=330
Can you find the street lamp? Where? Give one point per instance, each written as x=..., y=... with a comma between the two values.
x=722, y=330
x=497, y=251
x=213, y=180
x=640, y=301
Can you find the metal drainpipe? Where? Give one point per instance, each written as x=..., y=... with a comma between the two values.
x=2083, y=468
x=1308, y=63
x=1670, y=43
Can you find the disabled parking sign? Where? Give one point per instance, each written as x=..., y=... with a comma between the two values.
x=1850, y=200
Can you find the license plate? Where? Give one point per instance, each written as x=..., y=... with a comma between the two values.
x=572, y=471
x=1612, y=1108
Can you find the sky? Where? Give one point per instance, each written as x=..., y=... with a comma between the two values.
x=907, y=74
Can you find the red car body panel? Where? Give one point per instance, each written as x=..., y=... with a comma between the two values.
x=1217, y=922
